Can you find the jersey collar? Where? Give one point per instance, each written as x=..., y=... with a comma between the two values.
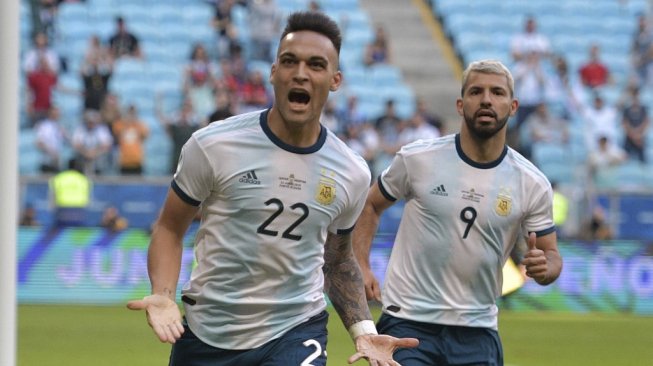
x=488, y=165
x=263, y=120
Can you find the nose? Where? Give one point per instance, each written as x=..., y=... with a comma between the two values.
x=486, y=101
x=301, y=73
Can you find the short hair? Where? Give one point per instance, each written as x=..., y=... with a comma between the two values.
x=488, y=67
x=316, y=22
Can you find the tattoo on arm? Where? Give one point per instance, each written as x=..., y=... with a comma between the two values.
x=343, y=282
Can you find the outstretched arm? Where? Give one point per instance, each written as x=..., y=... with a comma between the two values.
x=344, y=286
x=366, y=228
x=164, y=264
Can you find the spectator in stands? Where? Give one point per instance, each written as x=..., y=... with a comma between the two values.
x=41, y=51
x=48, y=10
x=351, y=113
x=253, y=94
x=179, y=127
x=225, y=30
x=96, y=71
x=70, y=193
x=635, y=122
x=110, y=110
x=594, y=72
x=600, y=120
x=228, y=81
x=330, y=118
x=51, y=138
x=378, y=50
x=605, y=155
x=92, y=142
x=417, y=128
x=264, y=21
x=545, y=127
x=314, y=5
x=599, y=227
x=389, y=126
x=560, y=86
x=432, y=119
x=529, y=43
x=41, y=83
x=130, y=133
x=124, y=43
x=112, y=221
x=199, y=80
x=224, y=106
x=560, y=209
x=530, y=86
x=28, y=217
x=642, y=49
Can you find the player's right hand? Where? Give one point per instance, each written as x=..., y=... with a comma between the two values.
x=372, y=288
x=163, y=316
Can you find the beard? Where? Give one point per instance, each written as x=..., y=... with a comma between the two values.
x=484, y=132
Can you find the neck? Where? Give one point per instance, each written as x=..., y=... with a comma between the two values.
x=296, y=134
x=482, y=150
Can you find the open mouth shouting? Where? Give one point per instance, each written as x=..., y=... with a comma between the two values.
x=298, y=98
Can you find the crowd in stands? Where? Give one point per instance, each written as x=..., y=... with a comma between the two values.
x=560, y=106
x=219, y=79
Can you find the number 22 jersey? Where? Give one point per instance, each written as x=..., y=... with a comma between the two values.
x=266, y=208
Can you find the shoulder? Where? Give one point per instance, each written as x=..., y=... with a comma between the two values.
x=527, y=169
x=428, y=145
x=337, y=148
x=229, y=127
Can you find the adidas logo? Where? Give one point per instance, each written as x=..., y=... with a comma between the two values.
x=439, y=190
x=250, y=178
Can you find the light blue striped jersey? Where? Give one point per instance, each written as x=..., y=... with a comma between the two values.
x=459, y=224
x=266, y=208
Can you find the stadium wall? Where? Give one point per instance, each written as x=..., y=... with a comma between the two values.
x=95, y=266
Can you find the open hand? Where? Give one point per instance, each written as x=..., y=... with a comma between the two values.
x=163, y=316
x=378, y=349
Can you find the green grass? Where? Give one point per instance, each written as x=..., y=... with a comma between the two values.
x=84, y=335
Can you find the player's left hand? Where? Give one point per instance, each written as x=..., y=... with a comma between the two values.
x=535, y=261
x=378, y=349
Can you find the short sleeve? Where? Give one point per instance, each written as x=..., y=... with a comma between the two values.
x=393, y=181
x=539, y=218
x=193, y=179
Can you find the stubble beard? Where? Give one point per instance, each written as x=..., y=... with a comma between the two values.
x=482, y=132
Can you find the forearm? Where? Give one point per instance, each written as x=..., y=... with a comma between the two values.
x=366, y=228
x=164, y=262
x=343, y=281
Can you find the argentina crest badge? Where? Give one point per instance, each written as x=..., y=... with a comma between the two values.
x=503, y=203
x=326, y=191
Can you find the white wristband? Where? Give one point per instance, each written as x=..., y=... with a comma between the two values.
x=361, y=328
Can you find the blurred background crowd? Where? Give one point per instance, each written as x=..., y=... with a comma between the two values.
x=120, y=85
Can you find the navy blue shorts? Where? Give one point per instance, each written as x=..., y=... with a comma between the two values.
x=443, y=345
x=303, y=345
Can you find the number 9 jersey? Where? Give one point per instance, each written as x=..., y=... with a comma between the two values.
x=266, y=208
x=459, y=224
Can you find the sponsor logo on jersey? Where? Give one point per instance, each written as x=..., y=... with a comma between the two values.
x=471, y=195
x=291, y=182
x=326, y=191
x=249, y=178
x=440, y=191
x=503, y=203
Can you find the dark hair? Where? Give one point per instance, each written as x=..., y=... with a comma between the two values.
x=316, y=22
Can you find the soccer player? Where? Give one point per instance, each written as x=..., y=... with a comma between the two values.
x=469, y=198
x=279, y=196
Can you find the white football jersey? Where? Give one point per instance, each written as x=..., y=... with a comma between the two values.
x=459, y=224
x=266, y=208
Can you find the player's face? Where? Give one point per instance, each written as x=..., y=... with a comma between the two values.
x=486, y=104
x=305, y=70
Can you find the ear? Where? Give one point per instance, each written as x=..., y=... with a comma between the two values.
x=272, y=70
x=459, y=106
x=513, y=107
x=336, y=81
